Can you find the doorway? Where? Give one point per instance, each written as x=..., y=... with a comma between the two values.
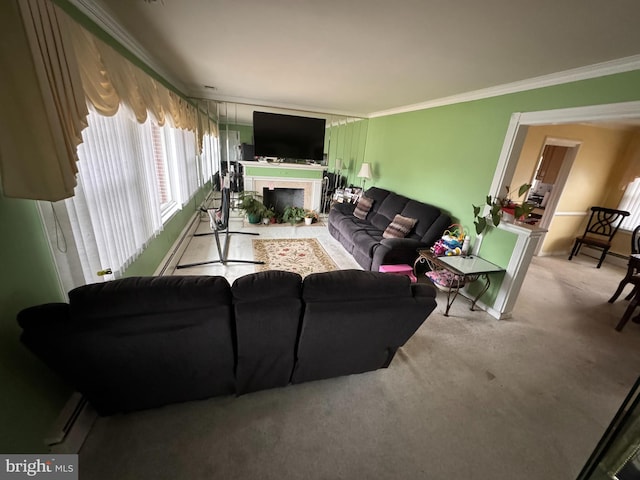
x=527, y=240
x=549, y=180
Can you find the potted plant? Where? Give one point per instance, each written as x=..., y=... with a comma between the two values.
x=252, y=205
x=270, y=215
x=500, y=206
x=293, y=215
x=310, y=216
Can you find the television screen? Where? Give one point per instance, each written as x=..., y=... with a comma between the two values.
x=288, y=136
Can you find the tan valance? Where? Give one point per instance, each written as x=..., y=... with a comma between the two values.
x=55, y=68
x=42, y=104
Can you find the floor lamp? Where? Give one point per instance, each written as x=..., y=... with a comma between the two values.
x=364, y=173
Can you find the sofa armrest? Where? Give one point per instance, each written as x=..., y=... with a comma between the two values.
x=394, y=251
x=48, y=316
x=423, y=291
x=344, y=208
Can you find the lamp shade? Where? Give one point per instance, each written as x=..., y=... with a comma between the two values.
x=365, y=171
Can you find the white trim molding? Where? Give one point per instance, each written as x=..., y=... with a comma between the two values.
x=526, y=244
x=528, y=238
x=626, y=64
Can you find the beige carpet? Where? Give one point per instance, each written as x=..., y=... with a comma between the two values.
x=468, y=397
x=298, y=255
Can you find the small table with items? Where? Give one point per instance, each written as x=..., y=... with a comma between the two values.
x=450, y=273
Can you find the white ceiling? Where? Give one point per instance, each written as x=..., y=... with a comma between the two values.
x=365, y=57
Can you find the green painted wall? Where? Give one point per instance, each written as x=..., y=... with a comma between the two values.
x=447, y=155
x=148, y=262
x=347, y=141
x=31, y=396
x=282, y=172
x=246, y=131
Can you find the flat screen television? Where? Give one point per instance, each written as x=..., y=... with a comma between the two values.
x=288, y=136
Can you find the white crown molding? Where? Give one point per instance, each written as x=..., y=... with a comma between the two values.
x=284, y=106
x=621, y=65
x=105, y=20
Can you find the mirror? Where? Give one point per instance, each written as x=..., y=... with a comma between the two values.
x=344, y=140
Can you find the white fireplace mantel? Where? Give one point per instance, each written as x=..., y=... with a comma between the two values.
x=258, y=176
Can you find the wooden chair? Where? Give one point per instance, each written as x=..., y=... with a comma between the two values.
x=635, y=300
x=633, y=267
x=603, y=225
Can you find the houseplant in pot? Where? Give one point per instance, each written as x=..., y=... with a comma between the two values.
x=500, y=206
x=310, y=216
x=251, y=204
x=270, y=215
x=293, y=215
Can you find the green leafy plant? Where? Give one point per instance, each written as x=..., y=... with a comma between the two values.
x=251, y=203
x=311, y=214
x=293, y=215
x=270, y=213
x=497, y=206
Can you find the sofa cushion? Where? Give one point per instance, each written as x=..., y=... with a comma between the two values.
x=391, y=205
x=137, y=343
x=355, y=321
x=377, y=195
x=366, y=240
x=399, y=227
x=426, y=216
x=363, y=207
x=138, y=296
x=267, y=307
x=350, y=225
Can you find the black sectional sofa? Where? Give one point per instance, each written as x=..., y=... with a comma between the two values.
x=143, y=342
x=363, y=238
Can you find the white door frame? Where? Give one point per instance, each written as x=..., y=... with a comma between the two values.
x=561, y=180
x=528, y=239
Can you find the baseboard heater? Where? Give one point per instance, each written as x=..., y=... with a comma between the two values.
x=72, y=426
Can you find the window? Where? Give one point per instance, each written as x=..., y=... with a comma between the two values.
x=132, y=177
x=631, y=203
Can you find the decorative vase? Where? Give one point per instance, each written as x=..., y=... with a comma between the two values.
x=265, y=221
x=308, y=220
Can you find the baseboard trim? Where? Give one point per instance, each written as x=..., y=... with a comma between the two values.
x=71, y=428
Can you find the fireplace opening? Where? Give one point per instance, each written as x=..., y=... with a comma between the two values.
x=280, y=198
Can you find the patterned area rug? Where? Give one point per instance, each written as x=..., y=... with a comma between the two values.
x=298, y=255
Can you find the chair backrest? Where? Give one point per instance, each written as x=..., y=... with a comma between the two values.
x=604, y=222
x=635, y=240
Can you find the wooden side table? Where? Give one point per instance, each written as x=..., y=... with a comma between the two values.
x=464, y=269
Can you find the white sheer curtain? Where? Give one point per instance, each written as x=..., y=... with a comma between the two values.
x=210, y=156
x=631, y=203
x=182, y=144
x=116, y=207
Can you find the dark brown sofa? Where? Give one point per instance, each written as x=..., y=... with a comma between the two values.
x=363, y=238
x=137, y=343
